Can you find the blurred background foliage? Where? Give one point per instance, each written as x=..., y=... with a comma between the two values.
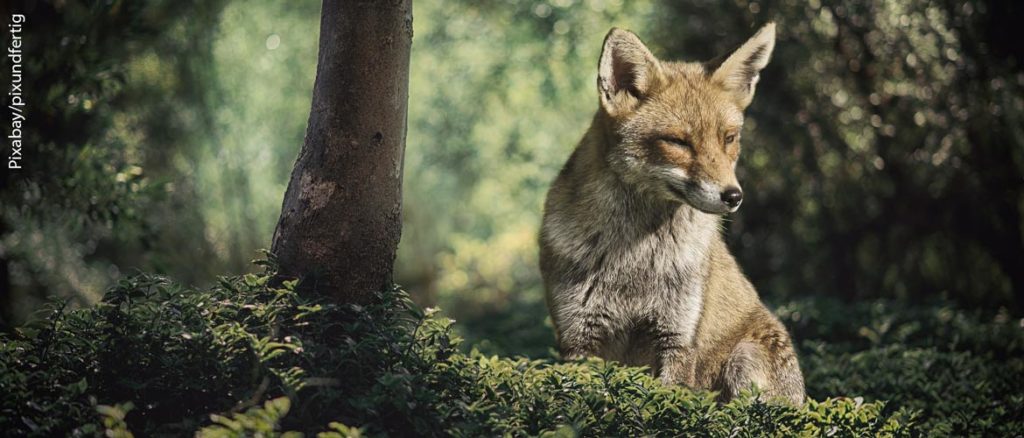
x=883, y=153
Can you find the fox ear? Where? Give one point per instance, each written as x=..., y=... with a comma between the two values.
x=626, y=73
x=739, y=71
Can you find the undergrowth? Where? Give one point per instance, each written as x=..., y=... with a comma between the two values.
x=244, y=358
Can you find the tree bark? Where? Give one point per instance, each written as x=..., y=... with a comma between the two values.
x=341, y=218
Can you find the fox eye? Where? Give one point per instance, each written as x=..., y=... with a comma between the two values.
x=729, y=139
x=678, y=142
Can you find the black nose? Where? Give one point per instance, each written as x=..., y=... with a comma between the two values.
x=732, y=197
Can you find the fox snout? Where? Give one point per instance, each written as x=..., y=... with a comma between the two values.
x=710, y=198
x=706, y=196
x=702, y=191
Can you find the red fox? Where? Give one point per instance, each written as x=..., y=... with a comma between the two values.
x=635, y=268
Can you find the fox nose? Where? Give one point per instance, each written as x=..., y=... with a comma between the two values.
x=732, y=197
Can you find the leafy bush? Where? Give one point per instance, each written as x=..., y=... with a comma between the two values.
x=247, y=358
x=962, y=369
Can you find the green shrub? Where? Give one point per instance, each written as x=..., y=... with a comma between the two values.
x=245, y=358
x=962, y=369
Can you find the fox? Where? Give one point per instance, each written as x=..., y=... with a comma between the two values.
x=634, y=265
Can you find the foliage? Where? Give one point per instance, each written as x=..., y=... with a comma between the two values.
x=245, y=357
x=258, y=421
x=963, y=369
x=97, y=190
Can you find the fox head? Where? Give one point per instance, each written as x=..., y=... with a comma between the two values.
x=676, y=125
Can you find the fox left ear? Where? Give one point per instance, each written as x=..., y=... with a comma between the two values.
x=626, y=73
x=739, y=71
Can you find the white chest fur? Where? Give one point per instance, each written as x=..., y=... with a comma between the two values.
x=628, y=269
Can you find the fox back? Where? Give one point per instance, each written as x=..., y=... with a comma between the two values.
x=634, y=265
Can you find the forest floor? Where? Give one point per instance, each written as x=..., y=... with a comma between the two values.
x=243, y=358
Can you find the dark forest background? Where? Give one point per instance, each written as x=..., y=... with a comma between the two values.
x=883, y=153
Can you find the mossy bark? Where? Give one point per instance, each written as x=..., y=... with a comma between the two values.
x=341, y=218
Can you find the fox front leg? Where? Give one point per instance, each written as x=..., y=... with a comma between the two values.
x=672, y=336
x=583, y=335
x=676, y=364
x=677, y=368
x=673, y=331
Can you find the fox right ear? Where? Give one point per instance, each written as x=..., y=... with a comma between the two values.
x=739, y=71
x=626, y=73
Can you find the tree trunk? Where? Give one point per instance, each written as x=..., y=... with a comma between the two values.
x=341, y=219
